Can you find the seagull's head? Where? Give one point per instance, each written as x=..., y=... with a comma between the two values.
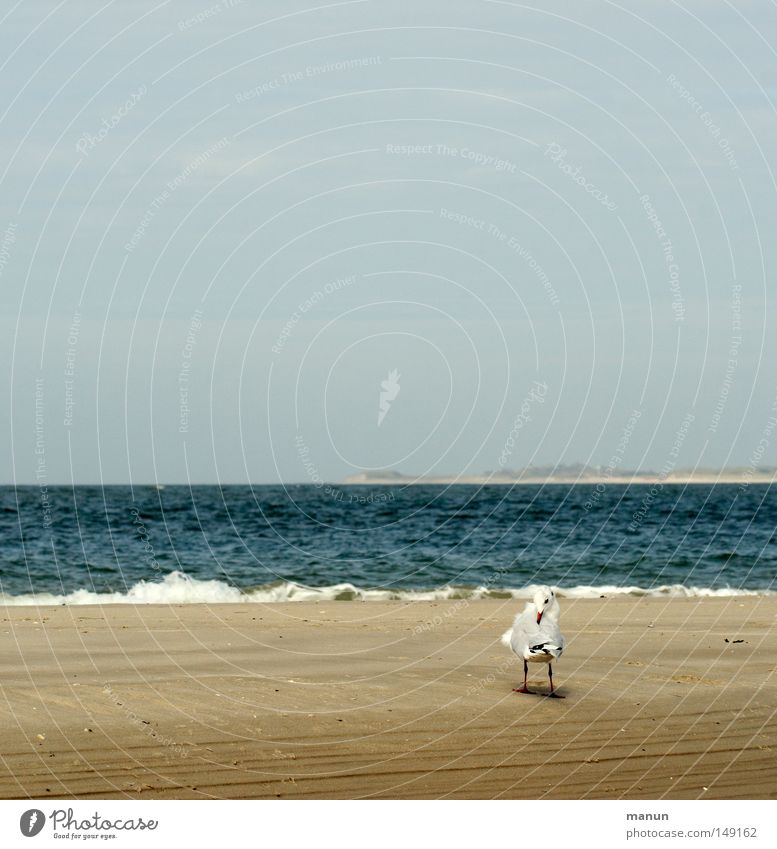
x=543, y=599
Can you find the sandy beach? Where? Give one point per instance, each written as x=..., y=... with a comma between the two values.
x=665, y=698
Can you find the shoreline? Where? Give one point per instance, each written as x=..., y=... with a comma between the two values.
x=179, y=588
x=665, y=698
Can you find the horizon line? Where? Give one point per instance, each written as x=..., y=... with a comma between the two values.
x=641, y=480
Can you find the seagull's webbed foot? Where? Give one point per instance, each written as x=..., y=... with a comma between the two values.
x=523, y=689
x=555, y=696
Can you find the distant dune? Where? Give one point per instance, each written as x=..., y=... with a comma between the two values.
x=574, y=474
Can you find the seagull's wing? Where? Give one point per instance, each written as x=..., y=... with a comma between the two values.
x=547, y=640
x=522, y=627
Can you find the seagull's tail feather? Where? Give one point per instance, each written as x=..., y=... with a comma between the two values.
x=549, y=648
x=507, y=638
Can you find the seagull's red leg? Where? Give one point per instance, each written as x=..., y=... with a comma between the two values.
x=551, y=693
x=524, y=689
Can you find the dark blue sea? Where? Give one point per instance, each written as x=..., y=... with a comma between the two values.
x=242, y=543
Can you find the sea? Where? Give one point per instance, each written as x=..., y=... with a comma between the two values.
x=182, y=544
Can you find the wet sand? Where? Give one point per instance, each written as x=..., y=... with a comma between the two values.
x=387, y=699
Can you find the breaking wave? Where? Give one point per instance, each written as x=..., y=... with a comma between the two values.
x=179, y=588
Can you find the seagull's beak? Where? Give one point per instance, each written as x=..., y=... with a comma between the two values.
x=539, y=617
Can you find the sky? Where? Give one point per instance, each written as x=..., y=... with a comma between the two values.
x=293, y=241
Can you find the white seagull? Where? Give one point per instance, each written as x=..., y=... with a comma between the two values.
x=535, y=635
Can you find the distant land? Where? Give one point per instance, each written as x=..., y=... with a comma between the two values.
x=575, y=473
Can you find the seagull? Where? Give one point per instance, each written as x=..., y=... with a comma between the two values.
x=535, y=635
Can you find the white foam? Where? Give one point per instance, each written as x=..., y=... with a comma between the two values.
x=665, y=590
x=175, y=588
x=179, y=588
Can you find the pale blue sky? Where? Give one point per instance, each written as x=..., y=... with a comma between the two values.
x=256, y=154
